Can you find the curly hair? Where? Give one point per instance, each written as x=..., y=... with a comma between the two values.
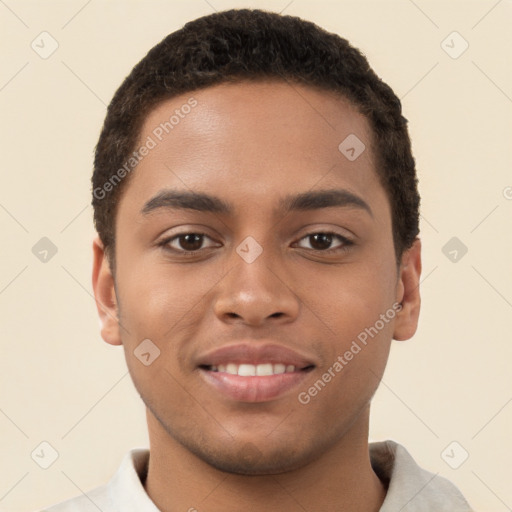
x=253, y=44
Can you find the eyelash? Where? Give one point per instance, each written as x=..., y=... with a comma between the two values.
x=345, y=247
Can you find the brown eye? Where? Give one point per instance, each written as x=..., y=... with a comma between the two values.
x=322, y=241
x=187, y=243
x=190, y=241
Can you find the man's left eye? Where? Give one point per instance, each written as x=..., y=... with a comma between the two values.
x=322, y=241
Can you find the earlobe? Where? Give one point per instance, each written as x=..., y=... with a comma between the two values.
x=105, y=294
x=408, y=293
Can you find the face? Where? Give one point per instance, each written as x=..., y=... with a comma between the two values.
x=257, y=257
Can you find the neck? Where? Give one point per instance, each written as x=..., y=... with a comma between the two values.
x=341, y=479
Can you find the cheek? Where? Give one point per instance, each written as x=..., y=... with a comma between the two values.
x=348, y=298
x=355, y=357
x=168, y=307
x=155, y=297
x=352, y=312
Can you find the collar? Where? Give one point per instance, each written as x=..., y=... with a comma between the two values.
x=410, y=488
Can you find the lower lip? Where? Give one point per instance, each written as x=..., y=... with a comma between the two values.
x=253, y=389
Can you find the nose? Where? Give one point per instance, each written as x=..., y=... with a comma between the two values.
x=256, y=293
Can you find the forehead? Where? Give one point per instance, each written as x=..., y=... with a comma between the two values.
x=254, y=141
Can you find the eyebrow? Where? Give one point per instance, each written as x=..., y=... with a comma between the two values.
x=306, y=201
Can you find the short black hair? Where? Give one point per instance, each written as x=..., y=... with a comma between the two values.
x=253, y=44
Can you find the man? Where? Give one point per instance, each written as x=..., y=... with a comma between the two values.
x=256, y=203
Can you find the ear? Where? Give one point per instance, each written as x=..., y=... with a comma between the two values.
x=105, y=294
x=408, y=293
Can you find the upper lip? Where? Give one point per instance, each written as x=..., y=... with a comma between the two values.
x=255, y=352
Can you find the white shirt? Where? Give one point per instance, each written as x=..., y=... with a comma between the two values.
x=410, y=489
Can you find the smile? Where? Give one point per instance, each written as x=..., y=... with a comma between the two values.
x=252, y=370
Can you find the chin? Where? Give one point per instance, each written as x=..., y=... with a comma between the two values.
x=250, y=461
x=243, y=454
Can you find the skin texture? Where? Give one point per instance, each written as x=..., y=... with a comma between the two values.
x=251, y=144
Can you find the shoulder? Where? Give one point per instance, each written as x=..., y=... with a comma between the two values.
x=124, y=491
x=410, y=487
x=95, y=499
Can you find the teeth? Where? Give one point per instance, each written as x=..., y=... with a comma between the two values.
x=232, y=369
x=247, y=370
x=251, y=370
x=264, y=369
x=279, y=368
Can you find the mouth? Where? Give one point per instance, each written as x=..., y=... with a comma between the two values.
x=254, y=372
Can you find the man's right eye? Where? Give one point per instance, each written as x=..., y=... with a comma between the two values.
x=185, y=243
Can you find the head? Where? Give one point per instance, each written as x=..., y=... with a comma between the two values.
x=285, y=164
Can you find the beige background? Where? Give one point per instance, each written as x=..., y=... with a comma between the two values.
x=62, y=384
